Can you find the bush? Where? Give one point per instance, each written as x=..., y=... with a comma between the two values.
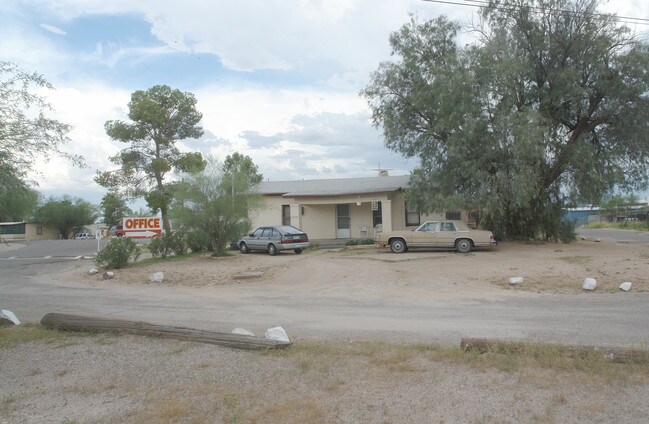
x=197, y=241
x=567, y=232
x=167, y=244
x=363, y=242
x=117, y=252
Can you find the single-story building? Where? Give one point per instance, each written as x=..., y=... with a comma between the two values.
x=27, y=231
x=344, y=208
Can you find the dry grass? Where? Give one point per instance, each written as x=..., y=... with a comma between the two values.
x=312, y=382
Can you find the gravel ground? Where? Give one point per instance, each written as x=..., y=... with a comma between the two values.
x=133, y=379
x=130, y=379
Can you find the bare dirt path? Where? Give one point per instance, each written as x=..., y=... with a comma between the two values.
x=370, y=293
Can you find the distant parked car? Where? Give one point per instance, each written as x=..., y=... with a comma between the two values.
x=84, y=236
x=438, y=234
x=274, y=239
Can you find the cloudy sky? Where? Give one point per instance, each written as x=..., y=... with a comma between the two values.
x=276, y=80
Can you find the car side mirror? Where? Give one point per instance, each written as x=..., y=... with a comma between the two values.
x=251, y=234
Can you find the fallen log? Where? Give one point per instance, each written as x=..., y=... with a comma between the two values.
x=69, y=322
x=614, y=354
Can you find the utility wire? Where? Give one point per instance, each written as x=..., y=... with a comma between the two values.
x=483, y=3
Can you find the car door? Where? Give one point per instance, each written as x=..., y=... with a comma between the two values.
x=446, y=234
x=255, y=241
x=425, y=236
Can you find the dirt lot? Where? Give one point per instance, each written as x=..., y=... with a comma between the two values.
x=545, y=267
x=55, y=378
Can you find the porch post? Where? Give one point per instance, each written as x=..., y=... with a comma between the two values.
x=386, y=211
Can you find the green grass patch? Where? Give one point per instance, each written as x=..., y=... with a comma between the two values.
x=622, y=225
x=12, y=336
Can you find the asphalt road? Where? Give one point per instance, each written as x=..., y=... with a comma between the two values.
x=628, y=236
x=27, y=289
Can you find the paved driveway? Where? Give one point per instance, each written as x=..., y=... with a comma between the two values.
x=628, y=236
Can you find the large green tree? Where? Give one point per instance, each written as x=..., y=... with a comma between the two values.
x=28, y=131
x=17, y=199
x=114, y=208
x=160, y=117
x=68, y=215
x=218, y=200
x=547, y=108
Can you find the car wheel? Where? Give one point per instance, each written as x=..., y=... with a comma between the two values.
x=243, y=248
x=297, y=251
x=463, y=245
x=272, y=250
x=398, y=246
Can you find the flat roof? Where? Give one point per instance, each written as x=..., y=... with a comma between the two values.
x=334, y=186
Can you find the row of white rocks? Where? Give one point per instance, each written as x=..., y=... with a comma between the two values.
x=275, y=333
x=589, y=284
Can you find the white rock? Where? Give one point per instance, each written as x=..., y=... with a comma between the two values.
x=277, y=333
x=156, y=277
x=626, y=286
x=243, y=332
x=8, y=315
x=108, y=275
x=515, y=281
x=589, y=284
x=93, y=271
x=598, y=240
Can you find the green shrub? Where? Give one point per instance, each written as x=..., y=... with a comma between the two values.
x=166, y=244
x=117, y=253
x=567, y=232
x=178, y=242
x=363, y=242
x=197, y=241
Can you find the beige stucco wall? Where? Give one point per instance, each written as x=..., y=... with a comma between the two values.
x=317, y=215
x=32, y=233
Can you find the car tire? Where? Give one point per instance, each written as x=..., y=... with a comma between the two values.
x=398, y=246
x=243, y=248
x=463, y=245
x=297, y=251
x=272, y=249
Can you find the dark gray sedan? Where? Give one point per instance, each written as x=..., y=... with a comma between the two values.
x=274, y=239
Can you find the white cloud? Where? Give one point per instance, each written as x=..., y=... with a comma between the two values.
x=308, y=121
x=53, y=29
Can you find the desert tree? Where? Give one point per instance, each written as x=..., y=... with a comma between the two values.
x=160, y=117
x=218, y=201
x=546, y=108
x=114, y=208
x=28, y=131
x=68, y=215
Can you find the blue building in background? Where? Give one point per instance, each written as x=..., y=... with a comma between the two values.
x=580, y=215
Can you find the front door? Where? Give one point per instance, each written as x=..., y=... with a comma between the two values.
x=343, y=222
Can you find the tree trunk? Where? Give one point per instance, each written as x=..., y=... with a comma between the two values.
x=93, y=324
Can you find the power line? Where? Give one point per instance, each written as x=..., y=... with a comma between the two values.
x=483, y=4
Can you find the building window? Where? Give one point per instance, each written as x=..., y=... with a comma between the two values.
x=454, y=215
x=413, y=218
x=286, y=214
x=39, y=230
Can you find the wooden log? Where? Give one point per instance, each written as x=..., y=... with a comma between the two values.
x=614, y=354
x=106, y=325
